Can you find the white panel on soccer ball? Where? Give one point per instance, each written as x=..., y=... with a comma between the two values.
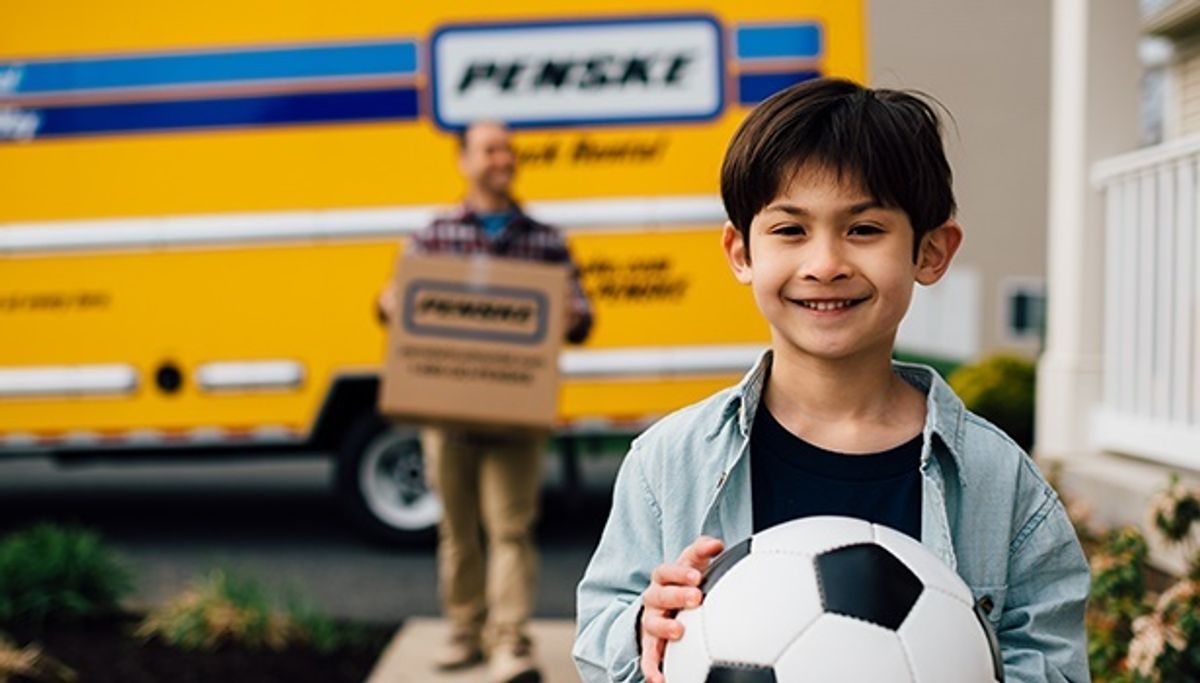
x=932, y=571
x=946, y=642
x=838, y=648
x=813, y=535
x=759, y=606
x=687, y=659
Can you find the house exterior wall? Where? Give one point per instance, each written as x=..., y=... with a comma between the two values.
x=996, y=84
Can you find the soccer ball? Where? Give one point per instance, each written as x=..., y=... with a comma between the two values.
x=827, y=599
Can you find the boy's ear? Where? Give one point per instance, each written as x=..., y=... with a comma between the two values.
x=937, y=251
x=736, y=252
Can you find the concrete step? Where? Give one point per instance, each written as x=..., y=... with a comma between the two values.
x=409, y=657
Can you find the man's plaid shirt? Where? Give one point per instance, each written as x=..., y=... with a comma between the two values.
x=461, y=232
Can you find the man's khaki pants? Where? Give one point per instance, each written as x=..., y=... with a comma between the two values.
x=488, y=483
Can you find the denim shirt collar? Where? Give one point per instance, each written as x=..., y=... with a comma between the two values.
x=944, y=412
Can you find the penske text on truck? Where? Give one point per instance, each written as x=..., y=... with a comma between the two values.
x=200, y=202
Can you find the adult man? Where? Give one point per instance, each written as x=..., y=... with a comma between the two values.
x=489, y=478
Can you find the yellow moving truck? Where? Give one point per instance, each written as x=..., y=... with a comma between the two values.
x=199, y=203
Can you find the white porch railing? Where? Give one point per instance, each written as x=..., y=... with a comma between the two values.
x=1151, y=401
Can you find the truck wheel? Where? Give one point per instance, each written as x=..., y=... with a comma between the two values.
x=381, y=481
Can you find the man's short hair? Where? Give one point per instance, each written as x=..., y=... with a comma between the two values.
x=889, y=141
x=460, y=134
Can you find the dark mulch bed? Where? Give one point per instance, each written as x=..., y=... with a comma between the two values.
x=105, y=652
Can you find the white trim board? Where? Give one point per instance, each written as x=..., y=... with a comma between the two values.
x=1169, y=443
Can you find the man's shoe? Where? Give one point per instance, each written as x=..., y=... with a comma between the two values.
x=513, y=663
x=460, y=651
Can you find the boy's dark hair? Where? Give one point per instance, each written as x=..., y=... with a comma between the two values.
x=888, y=140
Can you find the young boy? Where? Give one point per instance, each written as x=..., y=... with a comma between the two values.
x=839, y=200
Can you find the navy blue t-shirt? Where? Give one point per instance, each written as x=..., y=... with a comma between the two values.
x=791, y=478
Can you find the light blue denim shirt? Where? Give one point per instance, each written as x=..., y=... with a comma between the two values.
x=986, y=511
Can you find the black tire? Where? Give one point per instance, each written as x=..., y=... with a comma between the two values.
x=381, y=483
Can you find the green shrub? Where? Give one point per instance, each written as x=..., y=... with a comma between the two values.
x=52, y=574
x=223, y=609
x=31, y=663
x=1135, y=636
x=216, y=610
x=321, y=632
x=1174, y=511
x=1116, y=601
x=1001, y=390
x=1166, y=640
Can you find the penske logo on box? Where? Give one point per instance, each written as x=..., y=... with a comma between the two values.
x=577, y=72
x=450, y=309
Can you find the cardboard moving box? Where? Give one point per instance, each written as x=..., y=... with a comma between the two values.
x=476, y=342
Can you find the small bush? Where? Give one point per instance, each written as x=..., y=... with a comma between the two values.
x=30, y=663
x=54, y=574
x=1174, y=511
x=322, y=633
x=1135, y=636
x=1001, y=390
x=1117, y=600
x=223, y=609
x=1166, y=642
x=217, y=610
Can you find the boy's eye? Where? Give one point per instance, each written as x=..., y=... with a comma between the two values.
x=788, y=230
x=866, y=230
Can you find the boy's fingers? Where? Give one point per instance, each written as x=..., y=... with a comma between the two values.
x=652, y=657
x=672, y=588
x=668, y=598
x=676, y=574
x=663, y=628
x=646, y=670
x=650, y=660
x=700, y=552
x=653, y=675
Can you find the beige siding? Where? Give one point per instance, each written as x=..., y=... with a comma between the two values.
x=1187, y=71
x=989, y=63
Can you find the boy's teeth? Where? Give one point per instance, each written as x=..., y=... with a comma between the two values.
x=826, y=305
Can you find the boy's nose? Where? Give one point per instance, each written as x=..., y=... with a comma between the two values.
x=825, y=263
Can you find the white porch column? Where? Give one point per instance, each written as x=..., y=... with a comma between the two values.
x=1093, y=114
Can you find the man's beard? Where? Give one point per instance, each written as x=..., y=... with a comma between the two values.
x=498, y=186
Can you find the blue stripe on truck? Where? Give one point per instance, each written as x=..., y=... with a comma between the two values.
x=203, y=68
x=290, y=108
x=779, y=41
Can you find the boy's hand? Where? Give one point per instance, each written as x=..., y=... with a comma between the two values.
x=672, y=587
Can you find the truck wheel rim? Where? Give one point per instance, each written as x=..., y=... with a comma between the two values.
x=392, y=481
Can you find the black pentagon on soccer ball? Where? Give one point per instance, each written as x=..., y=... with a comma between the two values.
x=867, y=582
x=723, y=563
x=740, y=673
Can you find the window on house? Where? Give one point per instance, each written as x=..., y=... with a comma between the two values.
x=1024, y=309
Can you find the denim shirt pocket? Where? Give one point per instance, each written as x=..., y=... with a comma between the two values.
x=990, y=601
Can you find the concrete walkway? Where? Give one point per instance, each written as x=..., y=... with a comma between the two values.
x=408, y=659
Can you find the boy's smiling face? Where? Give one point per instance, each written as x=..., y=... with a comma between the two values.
x=831, y=269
